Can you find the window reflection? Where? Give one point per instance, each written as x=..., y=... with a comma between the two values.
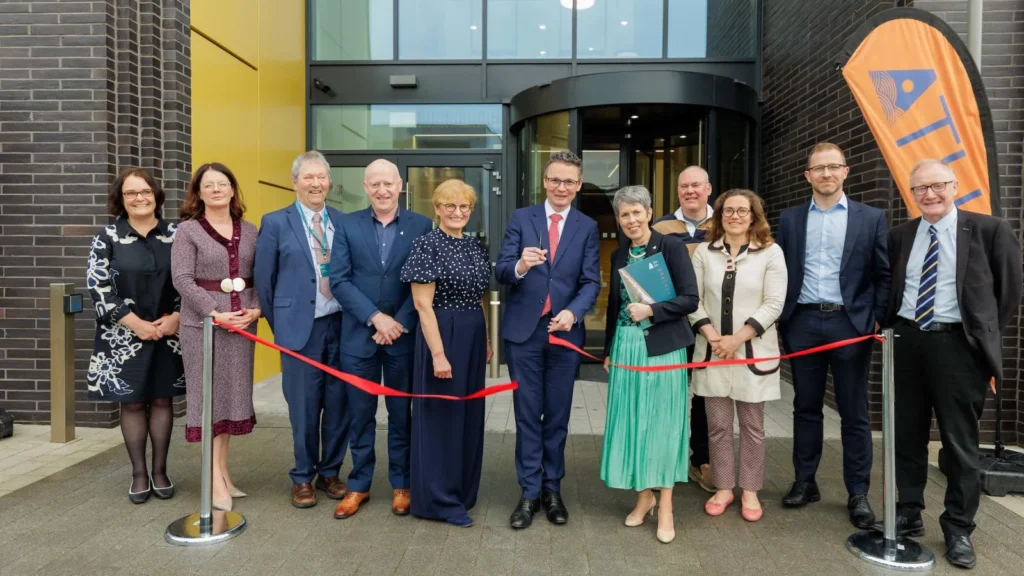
x=439, y=29
x=733, y=151
x=620, y=29
x=712, y=28
x=346, y=193
x=407, y=127
x=533, y=29
x=549, y=134
x=352, y=30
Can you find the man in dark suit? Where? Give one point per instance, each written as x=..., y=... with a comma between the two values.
x=690, y=223
x=291, y=277
x=549, y=261
x=958, y=278
x=839, y=283
x=371, y=246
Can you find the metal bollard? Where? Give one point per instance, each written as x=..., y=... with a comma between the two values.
x=63, y=306
x=209, y=526
x=886, y=549
x=493, y=326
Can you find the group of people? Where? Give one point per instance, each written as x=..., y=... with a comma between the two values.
x=396, y=298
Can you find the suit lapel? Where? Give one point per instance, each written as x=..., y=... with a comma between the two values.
x=370, y=235
x=852, y=232
x=572, y=224
x=540, y=224
x=801, y=238
x=295, y=221
x=398, y=243
x=900, y=273
x=653, y=245
x=964, y=227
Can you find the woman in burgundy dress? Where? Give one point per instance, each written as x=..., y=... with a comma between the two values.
x=211, y=262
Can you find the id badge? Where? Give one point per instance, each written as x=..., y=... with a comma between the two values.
x=325, y=270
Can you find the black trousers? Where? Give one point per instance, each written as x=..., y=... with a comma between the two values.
x=699, y=454
x=849, y=366
x=938, y=371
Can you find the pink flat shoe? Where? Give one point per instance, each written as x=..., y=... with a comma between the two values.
x=751, y=514
x=712, y=508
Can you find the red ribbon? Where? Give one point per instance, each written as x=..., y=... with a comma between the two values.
x=364, y=384
x=552, y=339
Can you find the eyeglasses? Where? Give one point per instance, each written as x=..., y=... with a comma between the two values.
x=133, y=194
x=215, y=185
x=819, y=170
x=558, y=182
x=741, y=212
x=938, y=188
x=464, y=208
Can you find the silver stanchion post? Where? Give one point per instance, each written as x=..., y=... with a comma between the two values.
x=495, y=303
x=887, y=549
x=209, y=526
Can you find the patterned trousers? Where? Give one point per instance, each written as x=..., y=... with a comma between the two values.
x=720, y=440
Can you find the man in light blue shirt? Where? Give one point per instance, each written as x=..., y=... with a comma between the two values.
x=839, y=282
x=292, y=278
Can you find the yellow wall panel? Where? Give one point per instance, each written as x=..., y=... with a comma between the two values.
x=282, y=81
x=233, y=24
x=224, y=116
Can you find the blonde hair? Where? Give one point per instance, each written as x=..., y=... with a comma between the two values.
x=451, y=190
x=824, y=147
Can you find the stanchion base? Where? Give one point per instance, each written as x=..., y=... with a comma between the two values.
x=902, y=554
x=185, y=531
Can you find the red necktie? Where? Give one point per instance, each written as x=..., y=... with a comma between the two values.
x=553, y=246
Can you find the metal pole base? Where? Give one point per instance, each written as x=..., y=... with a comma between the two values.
x=901, y=554
x=186, y=531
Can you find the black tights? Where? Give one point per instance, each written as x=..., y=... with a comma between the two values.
x=138, y=421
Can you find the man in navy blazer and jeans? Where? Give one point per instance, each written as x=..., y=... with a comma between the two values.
x=839, y=281
x=371, y=247
x=549, y=260
x=292, y=281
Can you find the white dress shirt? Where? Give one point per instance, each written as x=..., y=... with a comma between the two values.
x=947, y=309
x=691, y=226
x=548, y=211
x=324, y=305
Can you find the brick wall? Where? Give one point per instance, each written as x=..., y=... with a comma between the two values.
x=80, y=98
x=806, y=101
x=731, y=29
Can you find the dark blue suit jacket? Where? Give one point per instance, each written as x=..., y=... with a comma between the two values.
x=574, y=280
x=362, y=285
x=285, y=279
x=864, y=275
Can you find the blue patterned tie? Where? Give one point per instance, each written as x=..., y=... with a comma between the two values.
x=929, y=276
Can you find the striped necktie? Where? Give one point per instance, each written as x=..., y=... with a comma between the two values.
x=929, y=276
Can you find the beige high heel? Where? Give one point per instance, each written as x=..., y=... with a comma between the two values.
x=633, y=521
x=666, y=536
x=224, y=505
x=236, y=493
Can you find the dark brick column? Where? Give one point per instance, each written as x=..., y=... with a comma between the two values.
x=72, y=113
x=806, y=101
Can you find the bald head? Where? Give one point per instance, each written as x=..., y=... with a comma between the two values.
x=694, y=189
x=382, y=185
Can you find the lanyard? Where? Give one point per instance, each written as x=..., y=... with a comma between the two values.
x=326, y=222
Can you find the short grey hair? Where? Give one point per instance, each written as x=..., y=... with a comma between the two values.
x=564, y=157
x=310, y=156
x=631, y=195
x=930, y=162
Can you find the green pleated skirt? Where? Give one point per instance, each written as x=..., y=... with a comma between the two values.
x=646, y=434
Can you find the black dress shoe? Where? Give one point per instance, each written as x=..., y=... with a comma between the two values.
x=557, y=514
x=905, y=526
x=522, y=516
x=801, y=493
x=861, y=514
x=960, y=551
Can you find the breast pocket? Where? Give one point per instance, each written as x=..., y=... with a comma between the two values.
x=282, y=302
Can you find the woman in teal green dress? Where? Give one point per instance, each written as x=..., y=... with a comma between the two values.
x=646, y=428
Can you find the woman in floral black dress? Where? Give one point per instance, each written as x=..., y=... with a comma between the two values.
x=136, y=357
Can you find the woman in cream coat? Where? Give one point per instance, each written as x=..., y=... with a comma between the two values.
x=741, y=276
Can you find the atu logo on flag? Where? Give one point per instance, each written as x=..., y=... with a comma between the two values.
x=922, y=97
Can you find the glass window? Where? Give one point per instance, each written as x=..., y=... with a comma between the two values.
x=353, y=30
x=619, y=29
x=407, y=127
x=422, y=180
x=346, y=193
x=548, y=134
x=529, y=29
x=440, y=29
x=733, y=151
x=712, y=28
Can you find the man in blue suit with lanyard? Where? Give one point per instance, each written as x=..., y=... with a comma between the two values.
x=291, y=275
x=377, y=335
x=549, y=260
x=839, y=281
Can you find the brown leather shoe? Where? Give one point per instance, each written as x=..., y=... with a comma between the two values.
x=334, y=487
x=400, y=501
x=350, y=504
x=303, y=495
